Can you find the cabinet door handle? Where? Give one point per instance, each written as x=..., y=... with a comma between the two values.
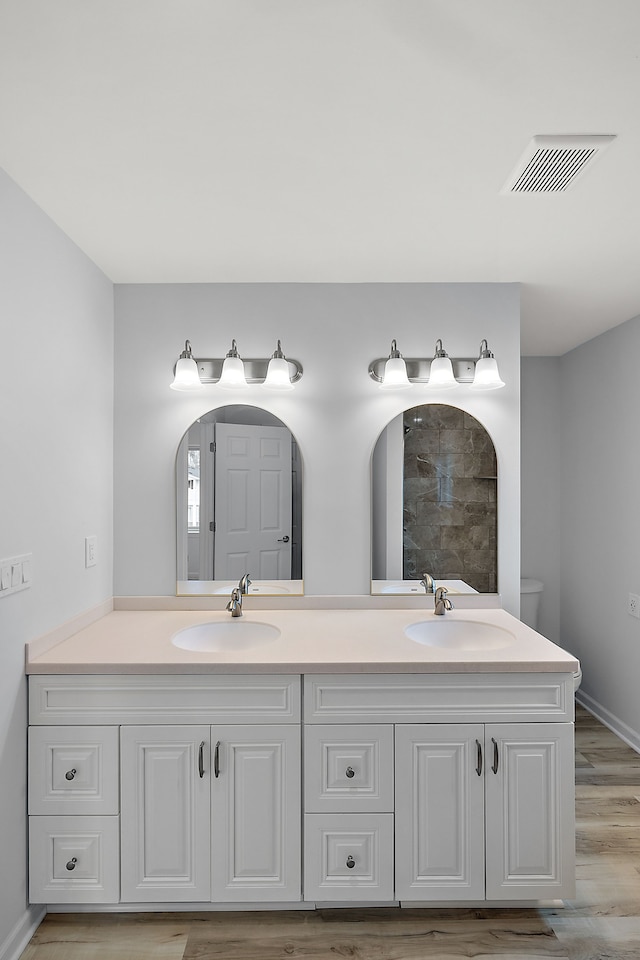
x=71, y=864
x=478, y=758
x=216, y=761
x=350, y=772
x=494, y=765
x=350, y=862
x=70, y=774
x=201, y=760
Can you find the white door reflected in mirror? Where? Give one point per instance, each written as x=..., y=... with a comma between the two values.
x=238, y=505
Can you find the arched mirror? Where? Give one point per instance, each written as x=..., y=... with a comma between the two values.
x=238, y=505
x=434, y=504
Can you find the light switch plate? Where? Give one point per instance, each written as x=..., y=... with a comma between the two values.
x=15, y=574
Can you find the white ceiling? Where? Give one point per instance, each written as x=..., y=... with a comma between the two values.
x=334, y=141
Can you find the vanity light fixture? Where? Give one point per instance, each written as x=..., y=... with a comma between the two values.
x=277, y=377
x=395, y=371
x=186, y=372
x=233, y=373
x=232, y=376
x=441, y=373
x=487, y=376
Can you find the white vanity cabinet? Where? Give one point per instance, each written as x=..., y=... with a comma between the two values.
x=206, y=804
x=187, y=788
x=483, y=809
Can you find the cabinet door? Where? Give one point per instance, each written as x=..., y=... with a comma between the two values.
x=530, y=811
x=165, y=836
x=439, y=812
x=256, y=813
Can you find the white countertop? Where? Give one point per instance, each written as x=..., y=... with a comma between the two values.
x=310, y=641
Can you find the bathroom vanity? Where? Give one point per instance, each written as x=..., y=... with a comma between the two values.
x=369, y=756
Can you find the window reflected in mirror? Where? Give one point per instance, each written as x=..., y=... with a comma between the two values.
x=238, y=504
x=434, y=504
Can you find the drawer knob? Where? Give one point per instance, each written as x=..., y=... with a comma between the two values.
x=350, y=862
x=350, y=772
x=71, y=864
x=70, y=774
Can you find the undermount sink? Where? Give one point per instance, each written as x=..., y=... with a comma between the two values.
x=228, y=635
x=459, y=634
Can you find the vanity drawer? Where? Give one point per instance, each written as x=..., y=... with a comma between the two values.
x=73, y=770
x=348, y=857
x=74, y=860
x=348, y=768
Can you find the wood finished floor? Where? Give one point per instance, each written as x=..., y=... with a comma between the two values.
x=602, y=923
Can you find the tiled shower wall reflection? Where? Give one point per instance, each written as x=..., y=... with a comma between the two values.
x=450, y=484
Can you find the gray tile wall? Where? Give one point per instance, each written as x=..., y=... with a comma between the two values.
x=450, y=485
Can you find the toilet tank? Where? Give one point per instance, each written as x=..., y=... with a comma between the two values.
x=530, y=591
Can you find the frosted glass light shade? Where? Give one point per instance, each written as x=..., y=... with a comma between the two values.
x=186, y=376
x=278, y=375
x=487, y=376
x=395, y=375
x=232, y=376
x=441, y=374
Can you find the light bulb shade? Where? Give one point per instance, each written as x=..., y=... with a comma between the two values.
x=278, y=375
x=395, y=375
x=441, y=374
x=186, y=376
x=487, y=376
x=232, y=376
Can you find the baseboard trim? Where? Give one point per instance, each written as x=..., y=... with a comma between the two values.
x=24, y=929
x=630, y=736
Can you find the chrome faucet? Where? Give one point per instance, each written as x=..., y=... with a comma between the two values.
x=427, y=583
x=441, y=602
x=243, y=585
x=235, y=604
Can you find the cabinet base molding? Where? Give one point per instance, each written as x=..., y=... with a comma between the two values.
x=306, y=905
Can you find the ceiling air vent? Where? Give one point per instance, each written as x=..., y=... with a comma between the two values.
x=552, y=164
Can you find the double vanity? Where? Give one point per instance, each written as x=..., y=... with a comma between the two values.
x=299, y=757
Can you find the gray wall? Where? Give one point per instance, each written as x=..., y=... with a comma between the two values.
x=580, y=513
x=56, y=425
x=336, y=411
x=600, y=543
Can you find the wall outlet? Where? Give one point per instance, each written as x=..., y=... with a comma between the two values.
x=633, y=605
x=90, y=551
